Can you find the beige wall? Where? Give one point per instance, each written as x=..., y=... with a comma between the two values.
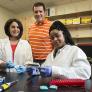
x=27, y=17
x=72, y=7
x=4, y=16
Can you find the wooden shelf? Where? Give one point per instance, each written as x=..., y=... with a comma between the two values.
x=77, y=14
x=82, y=37
x=79, y=25
x=78, y=31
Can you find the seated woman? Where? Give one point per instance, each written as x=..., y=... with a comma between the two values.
x=66, y=59
x=14, y=50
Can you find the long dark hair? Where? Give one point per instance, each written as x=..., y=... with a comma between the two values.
x=61, y=27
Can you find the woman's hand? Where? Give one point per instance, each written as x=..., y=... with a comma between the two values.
x=2, y=62
x=10, y=64
x=2, y=65
x=45, y=71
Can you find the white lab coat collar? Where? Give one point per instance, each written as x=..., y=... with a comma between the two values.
x=60, y=50
x=9, y=50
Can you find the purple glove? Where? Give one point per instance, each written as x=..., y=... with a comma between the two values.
x=46, y=71
x=32, y=70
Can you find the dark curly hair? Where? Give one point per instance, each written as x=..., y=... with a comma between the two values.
x=7, y=27
x=61, y=27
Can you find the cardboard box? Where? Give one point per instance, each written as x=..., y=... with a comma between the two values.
x=86, y=19
x=69, y=21
x=76, y=20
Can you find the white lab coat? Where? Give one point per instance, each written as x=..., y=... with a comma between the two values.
x=22, y=55
x=70, y=62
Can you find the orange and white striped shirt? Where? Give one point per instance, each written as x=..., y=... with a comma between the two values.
x=39, y=40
